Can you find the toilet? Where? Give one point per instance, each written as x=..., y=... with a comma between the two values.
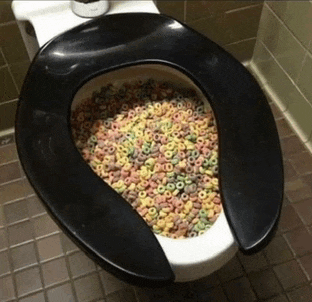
x=84, y=55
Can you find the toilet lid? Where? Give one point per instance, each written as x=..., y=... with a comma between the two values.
x=87, y=209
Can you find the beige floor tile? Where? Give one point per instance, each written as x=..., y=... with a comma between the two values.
x=2, y=218
x=44, y=225
x=16, y=211
x=35, y=206
x=7, y=288
x=9, y=172
x=28, y=187
x=28, y=281
x=11, y=191
x=80, y=264
x=4, y=263
x=88, y=288
x=8, y=153
x=68, y=245
x=3, y=239
x=122, y=296
x=111, y=284
x=39, y=297
x=20, y=232
x=61, y=293
x=54, y=271
x=50, y=247
x=23, y=256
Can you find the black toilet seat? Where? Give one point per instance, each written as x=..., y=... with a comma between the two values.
x=93, y=214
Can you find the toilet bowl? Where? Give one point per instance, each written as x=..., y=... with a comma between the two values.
x=117, y=48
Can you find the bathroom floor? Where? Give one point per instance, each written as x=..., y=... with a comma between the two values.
x=39, y=263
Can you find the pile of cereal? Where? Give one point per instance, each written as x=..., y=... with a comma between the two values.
x=157, y=147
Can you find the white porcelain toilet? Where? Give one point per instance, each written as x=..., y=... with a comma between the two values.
x=251, y=173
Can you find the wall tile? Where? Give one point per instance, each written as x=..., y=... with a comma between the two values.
x=304, y=81
x=202, y=9
x=19, y=71
x=2, y=60
x=281, y=43
x=279, y=8
x=6, y=13
x=12, y=43
x=7, y=113
x=242, y=50
x=277, y=80
x=173, y=9
x=234, y=26
x=8, y=90
x=301, y=111
x=297, y=15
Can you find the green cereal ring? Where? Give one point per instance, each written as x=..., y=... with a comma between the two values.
x=161, y=189
x=175, y=161
x=170, y=146
x=170, y=174
x=195, y=153
x=200, y=225
x=202, y=213
x=146, y=150
x=206, y=163
x=180, y=178
x=204, y=220
x=170, y=187
x=213, y=161
x=93, y=139
x=188, y=182
x=180, y=185
x=168, y=154
x=152, y=211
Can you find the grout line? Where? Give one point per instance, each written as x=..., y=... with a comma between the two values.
x=301, y=67
x=9, y=101
x=98, y=270
x=70, y=275
x=240, y=41
x=243, y=8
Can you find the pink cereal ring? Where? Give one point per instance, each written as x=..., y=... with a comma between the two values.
x=179, y=204
x=177, y=210
x=128, y=181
